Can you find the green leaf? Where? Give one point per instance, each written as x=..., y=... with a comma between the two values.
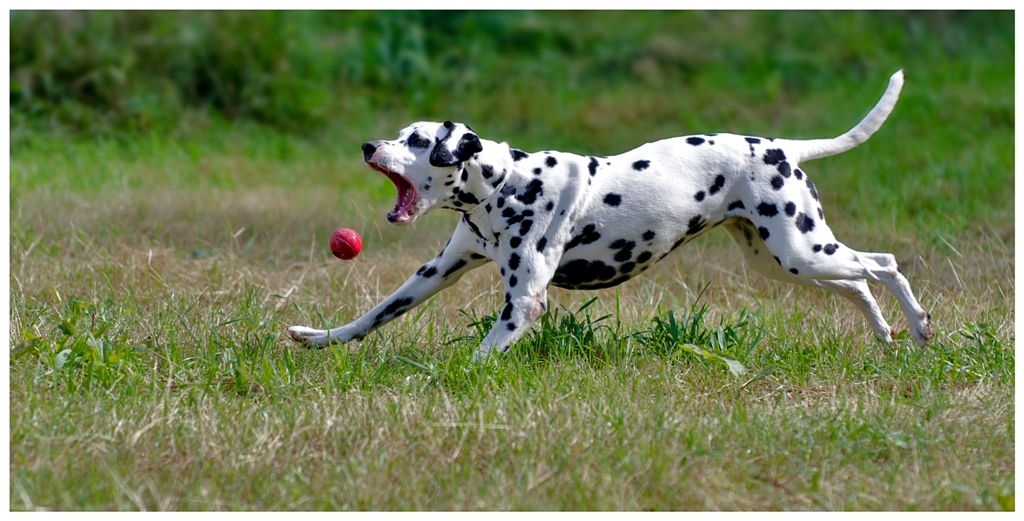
x=413, y=363
x=735, y=367
x=30, y=345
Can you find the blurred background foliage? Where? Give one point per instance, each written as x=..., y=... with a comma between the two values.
x=111, y=71
x=235, y=99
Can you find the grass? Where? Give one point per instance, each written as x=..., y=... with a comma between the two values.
x=178, y=390
x=153, y=274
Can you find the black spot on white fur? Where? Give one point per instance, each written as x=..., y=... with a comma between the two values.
x=397, y=307
x=695, y=225
x=804, y=223
x=625, y=249
x=810, y=186
x=774, y=156
x=525, y=227
x=455, y=267
x=784, y=169
x=587, y=236
x=582, y=274
x=533, y=189
x=767, y=209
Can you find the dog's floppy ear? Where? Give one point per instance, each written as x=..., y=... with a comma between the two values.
x=443, y=155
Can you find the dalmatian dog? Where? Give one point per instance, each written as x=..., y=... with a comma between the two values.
x=589, y=222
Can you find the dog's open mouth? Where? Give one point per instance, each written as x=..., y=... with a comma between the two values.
x=405, y=208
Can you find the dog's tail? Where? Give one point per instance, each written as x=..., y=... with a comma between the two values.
x=816, y=148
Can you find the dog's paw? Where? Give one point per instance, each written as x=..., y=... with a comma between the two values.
x=310, y=337
x=921, y=332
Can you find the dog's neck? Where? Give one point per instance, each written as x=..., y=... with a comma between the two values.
x=485, y=176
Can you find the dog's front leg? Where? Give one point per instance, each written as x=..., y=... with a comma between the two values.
x=526, y=274
x=458, y=257
x=517, y=316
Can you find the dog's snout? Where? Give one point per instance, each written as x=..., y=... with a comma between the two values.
x=368, y=149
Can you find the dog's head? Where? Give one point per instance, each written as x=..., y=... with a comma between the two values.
x=429, y=165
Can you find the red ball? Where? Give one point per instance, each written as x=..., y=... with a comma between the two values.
x=346, y=243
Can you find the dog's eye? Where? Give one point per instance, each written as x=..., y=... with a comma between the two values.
x=418, y=142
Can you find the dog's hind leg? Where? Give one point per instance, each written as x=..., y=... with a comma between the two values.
x=760, y=259
x=806, y=247
x=883, y=268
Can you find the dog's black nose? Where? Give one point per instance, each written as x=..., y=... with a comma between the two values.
x=368, y=149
